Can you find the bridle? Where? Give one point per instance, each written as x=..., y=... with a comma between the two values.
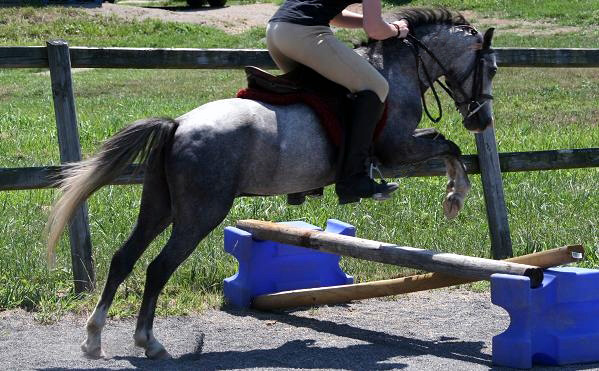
x=477, y=99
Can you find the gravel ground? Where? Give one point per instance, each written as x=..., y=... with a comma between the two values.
x=442, y=329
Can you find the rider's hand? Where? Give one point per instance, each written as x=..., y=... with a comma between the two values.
x=402, y=27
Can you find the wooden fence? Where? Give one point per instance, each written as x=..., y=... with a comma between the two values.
x=59, y=58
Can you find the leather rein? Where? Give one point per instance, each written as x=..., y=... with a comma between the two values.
x=477, y=99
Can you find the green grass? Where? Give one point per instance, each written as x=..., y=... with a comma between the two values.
x=536, y=109
x=34, y=26
x=578, y=12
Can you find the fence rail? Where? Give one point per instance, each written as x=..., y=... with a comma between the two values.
x=84, y=57
x=46, y=176
x=59, y=58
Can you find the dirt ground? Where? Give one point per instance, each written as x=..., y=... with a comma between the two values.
x=239, y=18
x=231, y=19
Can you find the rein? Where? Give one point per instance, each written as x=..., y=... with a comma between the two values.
x=473, y=102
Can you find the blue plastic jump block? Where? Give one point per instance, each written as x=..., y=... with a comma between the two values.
x=554, y=324
x=266, y=267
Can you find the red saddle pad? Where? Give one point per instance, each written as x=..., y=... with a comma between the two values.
x=326, y=112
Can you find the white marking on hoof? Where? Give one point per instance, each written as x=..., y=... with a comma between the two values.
x=452, y=205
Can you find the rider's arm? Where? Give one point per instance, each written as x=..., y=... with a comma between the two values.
x=371, y=20
x=347, y=19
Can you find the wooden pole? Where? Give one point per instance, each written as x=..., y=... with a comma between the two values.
x=490, y=171
x=70, y=151
x=453, y=264
x=345, y=293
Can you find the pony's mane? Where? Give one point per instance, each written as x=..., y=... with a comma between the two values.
x=423, y=16
x=418, y=16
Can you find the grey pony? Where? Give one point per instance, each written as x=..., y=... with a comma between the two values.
x=197, y=164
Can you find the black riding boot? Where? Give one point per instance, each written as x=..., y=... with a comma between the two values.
x=353, y=181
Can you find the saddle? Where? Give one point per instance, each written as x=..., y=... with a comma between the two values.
x=330, y=101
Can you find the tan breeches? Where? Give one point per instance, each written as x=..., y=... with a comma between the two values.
x=317, y=48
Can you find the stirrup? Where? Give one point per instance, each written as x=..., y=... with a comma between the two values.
x=390, y=187
x=381, y=195
x=380, y=192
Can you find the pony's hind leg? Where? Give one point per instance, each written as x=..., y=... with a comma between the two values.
x=192, y=221
x=154, y=217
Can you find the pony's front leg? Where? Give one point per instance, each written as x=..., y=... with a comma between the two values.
x=426, y=144
x=458, y=186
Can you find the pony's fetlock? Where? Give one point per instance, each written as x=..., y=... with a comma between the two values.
x=95, y=323
x=141, y=338
x=154, y=350
x=92, y=346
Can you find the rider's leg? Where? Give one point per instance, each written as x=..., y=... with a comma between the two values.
x=317, y=48
x=353, y=181
x=285, y=63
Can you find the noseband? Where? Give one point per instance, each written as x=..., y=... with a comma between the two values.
x=477, y=99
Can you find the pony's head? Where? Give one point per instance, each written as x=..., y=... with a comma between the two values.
x=473, y=87
x=462, y=55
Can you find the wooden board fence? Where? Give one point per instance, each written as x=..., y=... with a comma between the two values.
x=86, y=57
x=45, y=176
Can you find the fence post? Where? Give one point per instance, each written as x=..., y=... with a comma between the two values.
x=490, y=171
x=59, y=62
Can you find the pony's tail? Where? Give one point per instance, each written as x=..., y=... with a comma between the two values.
x=141, y=140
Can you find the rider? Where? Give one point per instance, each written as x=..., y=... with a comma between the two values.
x=299, y=33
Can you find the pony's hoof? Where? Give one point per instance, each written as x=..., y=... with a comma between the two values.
x=159, y=355
x=92, y=352
x=452, y=205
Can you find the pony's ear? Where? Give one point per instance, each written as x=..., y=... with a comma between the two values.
x=487, y=38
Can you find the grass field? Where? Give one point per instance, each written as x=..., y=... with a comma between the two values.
x=536, y=109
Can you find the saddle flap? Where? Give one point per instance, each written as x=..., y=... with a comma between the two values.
x=260, y=79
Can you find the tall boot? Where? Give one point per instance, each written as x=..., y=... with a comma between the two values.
x=353, y=181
